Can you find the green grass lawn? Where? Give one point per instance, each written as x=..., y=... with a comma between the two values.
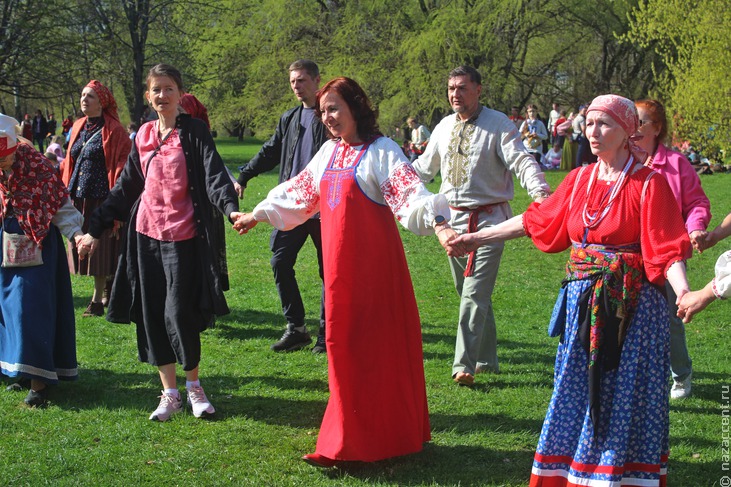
x=96, y=430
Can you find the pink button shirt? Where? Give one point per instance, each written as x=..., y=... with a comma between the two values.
x=166, y=209
x=686, y=186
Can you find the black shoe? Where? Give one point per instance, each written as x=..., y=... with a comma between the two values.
x=319, y=344
x=94, y=309
x=292, y=340
x=22, y=384
x=37, y=399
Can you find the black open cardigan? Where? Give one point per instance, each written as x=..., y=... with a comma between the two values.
x=212, y=193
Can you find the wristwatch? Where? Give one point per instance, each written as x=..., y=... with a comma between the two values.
x=440, y=221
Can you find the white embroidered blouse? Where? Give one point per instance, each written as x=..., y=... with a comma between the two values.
x=384, y=175
x=722, y=281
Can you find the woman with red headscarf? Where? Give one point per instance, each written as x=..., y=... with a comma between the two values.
x=608, y=419
x=37, y=336
x=98, y=150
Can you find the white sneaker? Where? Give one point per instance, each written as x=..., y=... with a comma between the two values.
x=199, y=403
x=168, y=406
x=681, y=388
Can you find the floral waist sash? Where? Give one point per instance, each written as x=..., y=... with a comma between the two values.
x=607, y=306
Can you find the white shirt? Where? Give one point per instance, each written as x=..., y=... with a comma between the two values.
x=552, y=118
x=722, y=281
x=383, y=174
x=478, y=159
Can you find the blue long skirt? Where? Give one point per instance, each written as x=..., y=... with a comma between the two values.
x=629, y=445
x=37, y=326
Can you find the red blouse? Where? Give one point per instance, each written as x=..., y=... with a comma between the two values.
x=656, y=224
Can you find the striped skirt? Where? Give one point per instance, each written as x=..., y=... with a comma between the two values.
x=629, y=446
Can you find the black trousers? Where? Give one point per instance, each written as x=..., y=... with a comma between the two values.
x=285, y=246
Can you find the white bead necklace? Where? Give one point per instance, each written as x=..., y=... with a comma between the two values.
x=593, y=220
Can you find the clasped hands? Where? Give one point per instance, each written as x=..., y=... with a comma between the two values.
x=85, y=245
x=703, y=240
x=458, y=245
x=243, y=222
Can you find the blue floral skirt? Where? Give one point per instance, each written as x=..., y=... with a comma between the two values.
x=629, y=446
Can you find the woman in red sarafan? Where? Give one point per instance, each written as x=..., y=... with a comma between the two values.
x=608, y=420
x=358, y=181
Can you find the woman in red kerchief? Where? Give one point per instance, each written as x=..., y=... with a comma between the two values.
x=608, y=419
x=98, y=150
x=38, y=332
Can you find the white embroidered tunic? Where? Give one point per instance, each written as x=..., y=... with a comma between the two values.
x=477, y=157
x=384, y=174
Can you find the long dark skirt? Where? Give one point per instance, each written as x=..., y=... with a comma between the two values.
x=37, y=327
x=104, y=260
x=170, y=288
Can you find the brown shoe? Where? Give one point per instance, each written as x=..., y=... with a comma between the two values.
x=94, y=309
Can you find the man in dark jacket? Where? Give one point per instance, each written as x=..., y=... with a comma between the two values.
x=298, y=137
x=40, y=130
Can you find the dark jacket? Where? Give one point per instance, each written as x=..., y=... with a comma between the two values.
x=280, y=148
x=212, y=193
x=40, y=126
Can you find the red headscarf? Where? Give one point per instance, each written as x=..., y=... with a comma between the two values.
x=108, y=103
x=194, y=108
x=34, y=190
x=624, y=112
x=115, y=140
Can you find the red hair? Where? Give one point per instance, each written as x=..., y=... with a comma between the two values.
x=657, y=114
x=360, y=106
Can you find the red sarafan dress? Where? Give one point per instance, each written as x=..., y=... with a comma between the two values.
x=377, y=407
x=627, y=444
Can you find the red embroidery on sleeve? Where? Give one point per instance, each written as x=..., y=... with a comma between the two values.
x=399, y=186
x=305, y=190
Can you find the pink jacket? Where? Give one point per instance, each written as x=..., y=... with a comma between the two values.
x=686, y=186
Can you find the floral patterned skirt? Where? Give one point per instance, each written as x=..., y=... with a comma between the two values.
x=629, y=445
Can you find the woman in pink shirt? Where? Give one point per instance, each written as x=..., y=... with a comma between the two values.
x=172, y=273
x=696, y=211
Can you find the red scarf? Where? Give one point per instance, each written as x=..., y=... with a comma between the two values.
x=34, y=190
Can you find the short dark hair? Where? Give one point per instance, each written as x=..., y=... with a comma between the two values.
x=366, y=117
x=466, y=71
x=167, y=70
x=307, y=65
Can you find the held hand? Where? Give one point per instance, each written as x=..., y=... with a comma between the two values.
x=77, y=239
x=704, y=241
x=86, y=246
x=446, y=237
x=116, y=229
x=239, y=190
x=244, y=222
x=693, y=302
x=471, y=241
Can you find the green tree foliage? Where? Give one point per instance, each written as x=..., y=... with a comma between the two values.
x=694, y=40
x=32, y=53
x=234, y=54
x=528, y=51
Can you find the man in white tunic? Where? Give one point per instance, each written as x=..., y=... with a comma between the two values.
x=477, y=150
